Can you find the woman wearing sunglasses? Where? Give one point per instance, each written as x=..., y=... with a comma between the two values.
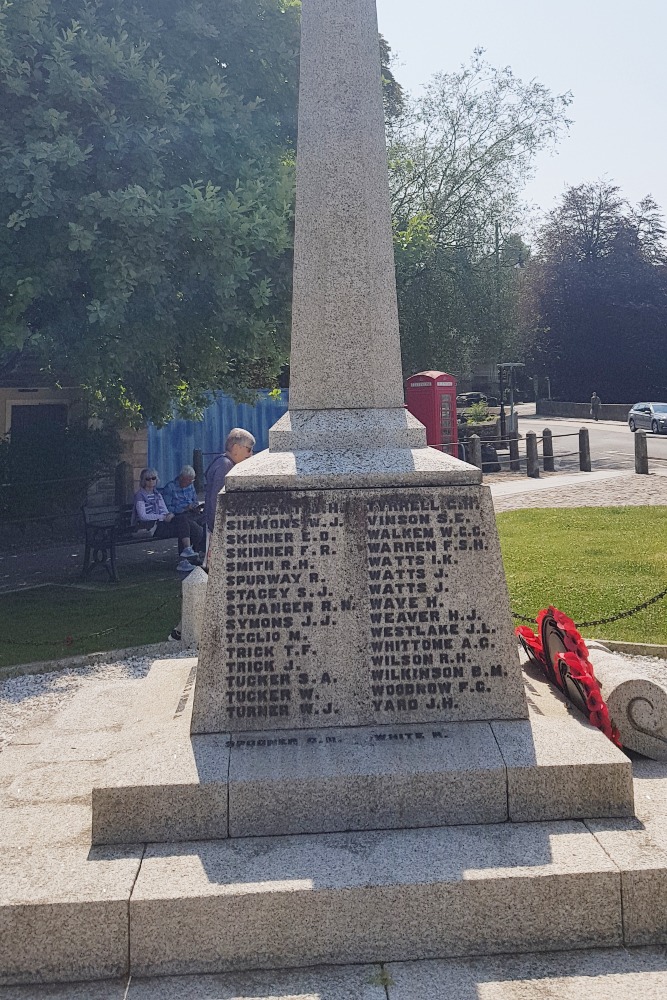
x=150, y=512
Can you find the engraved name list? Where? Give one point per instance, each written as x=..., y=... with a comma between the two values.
x=354, y=608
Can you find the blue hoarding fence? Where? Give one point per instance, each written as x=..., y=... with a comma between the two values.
x=171, y=447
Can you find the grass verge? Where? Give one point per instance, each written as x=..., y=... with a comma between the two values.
x=49, y=622
x=590, y=563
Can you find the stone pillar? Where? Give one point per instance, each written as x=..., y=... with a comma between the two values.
x=344, y=304
x=349, y=534
x=135, y=449
x=123, y=484
x=193, y=590
x=344, y=280
x=475, y=450
x=637, y=700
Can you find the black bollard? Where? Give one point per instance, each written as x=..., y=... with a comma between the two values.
x=515, y=461
x=533, y=464
x=584, y=451
x=547, y=450
x=198, y=466
x=641, y=454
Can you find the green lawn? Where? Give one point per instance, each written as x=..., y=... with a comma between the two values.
x=590, y=563
x=35, y=624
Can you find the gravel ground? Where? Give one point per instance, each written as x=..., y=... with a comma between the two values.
x=29, y=699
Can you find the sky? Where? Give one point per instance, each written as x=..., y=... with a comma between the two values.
x=611, y=55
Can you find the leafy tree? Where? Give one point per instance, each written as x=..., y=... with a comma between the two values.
x=146, y=189
x=463, y=150
x=458, y=310
x=459, y=157
x=595, y=296
x=394, y=97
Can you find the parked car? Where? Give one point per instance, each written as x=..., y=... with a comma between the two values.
x=648, y=416
x=468, y=398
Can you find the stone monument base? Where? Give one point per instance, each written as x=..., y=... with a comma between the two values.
x=293, y=848
x=382, y=778
x=353, y=607
x=209, y=902
x=258, y=903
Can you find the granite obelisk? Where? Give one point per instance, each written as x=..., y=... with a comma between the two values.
x=356, y=573
x=357, y=585
x=345, y=314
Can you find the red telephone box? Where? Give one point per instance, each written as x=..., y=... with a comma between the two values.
x=431, y=398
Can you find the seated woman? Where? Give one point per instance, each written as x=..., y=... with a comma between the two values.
x=180, y=497
x=150, y=511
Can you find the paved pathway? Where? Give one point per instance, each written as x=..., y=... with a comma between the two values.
x=63, y=564
x=595, y=489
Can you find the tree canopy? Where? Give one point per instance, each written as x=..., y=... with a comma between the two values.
x=146, y=197
x=146, y=188
x=459, y=156
x=595, y=296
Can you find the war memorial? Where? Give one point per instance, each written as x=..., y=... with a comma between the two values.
x=358, y=773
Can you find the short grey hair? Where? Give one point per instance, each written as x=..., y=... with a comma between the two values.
x=145, y=473
x=187, y=470
x=239, y=436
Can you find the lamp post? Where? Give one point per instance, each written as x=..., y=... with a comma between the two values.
x=510, y=365
x=501, y=391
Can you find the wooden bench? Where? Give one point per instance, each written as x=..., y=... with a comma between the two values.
x=107, y=528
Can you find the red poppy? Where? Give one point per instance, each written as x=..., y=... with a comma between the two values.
x=578, y=665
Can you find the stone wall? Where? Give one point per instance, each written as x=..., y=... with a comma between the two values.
x=135, y=452
x=582, y=411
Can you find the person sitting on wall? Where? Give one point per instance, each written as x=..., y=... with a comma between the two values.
x=238, y=446
x=150, y=511
x=180, y=497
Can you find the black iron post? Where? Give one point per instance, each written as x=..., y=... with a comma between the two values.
x=547, y=450
x=641, y=454
x=584, y=451
x=533, y=459
x=503, y=419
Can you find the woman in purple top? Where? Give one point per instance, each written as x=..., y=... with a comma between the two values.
x=150, y=511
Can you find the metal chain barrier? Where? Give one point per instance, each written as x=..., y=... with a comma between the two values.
x=69, y=640
x=614, y=618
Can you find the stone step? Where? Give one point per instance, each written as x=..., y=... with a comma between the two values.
x=69, y=913
x=596, y=974
x=64, y=912
x=368, y=778
x=262, y=903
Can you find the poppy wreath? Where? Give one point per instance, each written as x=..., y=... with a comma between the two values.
x=570, y=662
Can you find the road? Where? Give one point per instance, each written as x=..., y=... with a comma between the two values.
x=612, y=442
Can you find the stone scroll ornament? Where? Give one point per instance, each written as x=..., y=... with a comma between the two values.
x=562, y=655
